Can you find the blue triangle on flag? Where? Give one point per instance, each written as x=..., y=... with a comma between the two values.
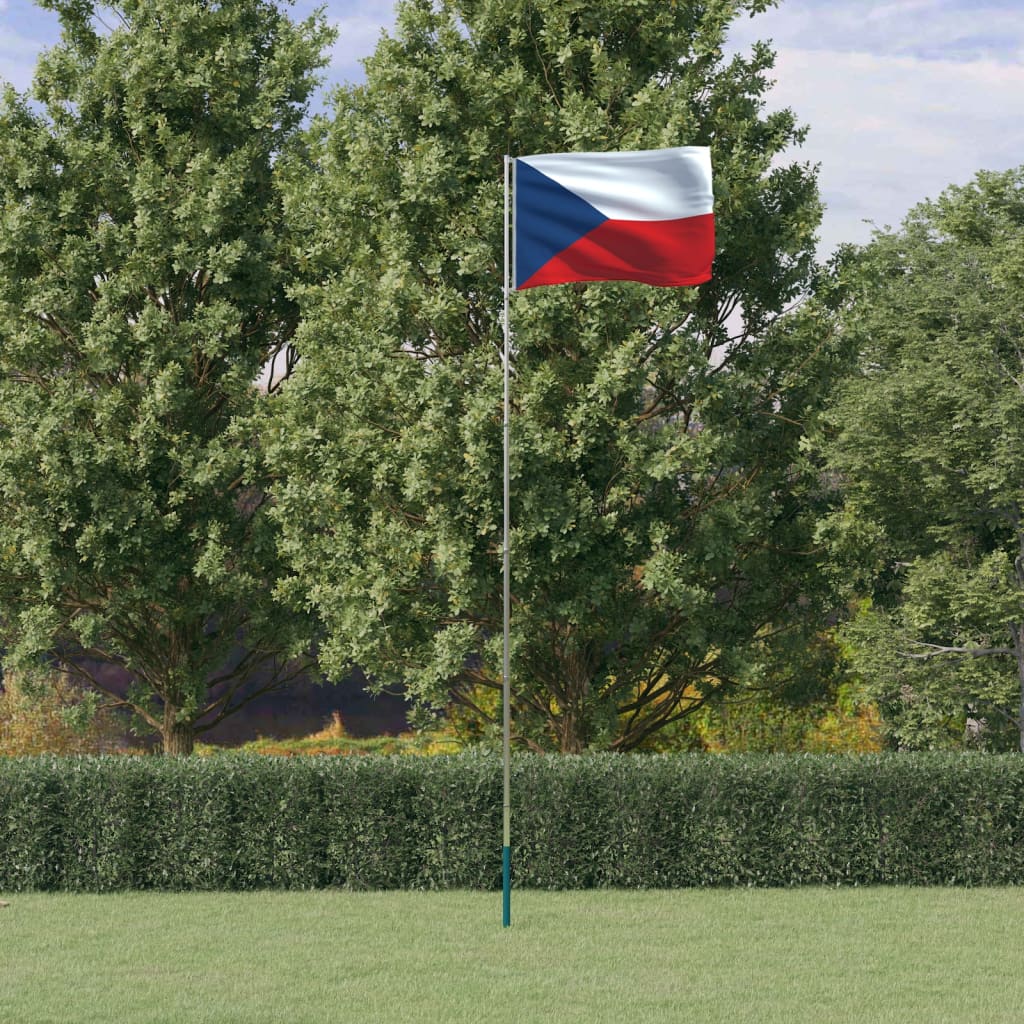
x=548, y=218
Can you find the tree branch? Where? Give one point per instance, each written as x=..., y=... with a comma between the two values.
x=939, y=650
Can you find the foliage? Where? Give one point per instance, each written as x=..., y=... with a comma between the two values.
x=762, y=723
x=843, y=721
x=825, y=709
x=143, y=285
x=662, y=507
x=598, y=820
x=334, y=740
x=55, y=717
x=927, y=438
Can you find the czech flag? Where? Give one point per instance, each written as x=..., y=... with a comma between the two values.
x=645, y=215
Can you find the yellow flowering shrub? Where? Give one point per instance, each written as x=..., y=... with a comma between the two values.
x=53, y=718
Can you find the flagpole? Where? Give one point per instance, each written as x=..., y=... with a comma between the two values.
x=506, y=732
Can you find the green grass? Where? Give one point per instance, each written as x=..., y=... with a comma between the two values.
x=851, y=955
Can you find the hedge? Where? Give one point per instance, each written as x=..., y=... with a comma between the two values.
x=236, y=822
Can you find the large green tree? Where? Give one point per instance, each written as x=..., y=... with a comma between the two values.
x=928, y=439
x=661, y=507
x=143, y=286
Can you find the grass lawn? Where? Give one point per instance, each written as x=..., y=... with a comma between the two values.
x=862, y=956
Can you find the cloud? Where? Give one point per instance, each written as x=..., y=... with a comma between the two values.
x=17, y=57
x=890, y=132
x=357, y=37
x=25, y=31
x=902, y=99
x=958, y=30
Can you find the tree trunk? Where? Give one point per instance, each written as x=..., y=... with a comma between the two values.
x=569, y=739
x=1017, y=632
x=1018, y=646
x=179, y=737
x=975, y=728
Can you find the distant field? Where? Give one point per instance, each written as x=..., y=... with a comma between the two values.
x=862, y=956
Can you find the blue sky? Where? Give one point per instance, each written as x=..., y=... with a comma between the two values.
x=902, y=97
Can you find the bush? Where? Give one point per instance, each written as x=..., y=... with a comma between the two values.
x=842, y=722
x=244, y=822
x=51, y=715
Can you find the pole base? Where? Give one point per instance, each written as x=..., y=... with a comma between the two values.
x=506, y=886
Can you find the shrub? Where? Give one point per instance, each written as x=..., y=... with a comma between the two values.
x=244, y=822
x=52, y=716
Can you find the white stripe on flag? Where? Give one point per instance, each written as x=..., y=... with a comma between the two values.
x=644, y=184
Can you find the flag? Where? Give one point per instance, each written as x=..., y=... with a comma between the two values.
x=642, y=215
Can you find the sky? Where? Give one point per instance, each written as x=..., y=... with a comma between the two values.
x=903, y=98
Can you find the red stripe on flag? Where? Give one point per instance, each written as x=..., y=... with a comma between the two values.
x=659, y=252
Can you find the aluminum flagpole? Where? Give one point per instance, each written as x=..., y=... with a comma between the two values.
x=506, y=803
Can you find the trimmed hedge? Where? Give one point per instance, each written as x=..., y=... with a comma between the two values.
x=235, y=822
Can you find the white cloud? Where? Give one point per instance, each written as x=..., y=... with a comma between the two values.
x=890, y=132
x=357, y=37
x=25, y=31
x=902, y=98
x=17, y=58
x=962, y=30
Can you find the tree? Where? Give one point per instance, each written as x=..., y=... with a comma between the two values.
x=928, y=439
x=662, y=508
x=143, y=285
